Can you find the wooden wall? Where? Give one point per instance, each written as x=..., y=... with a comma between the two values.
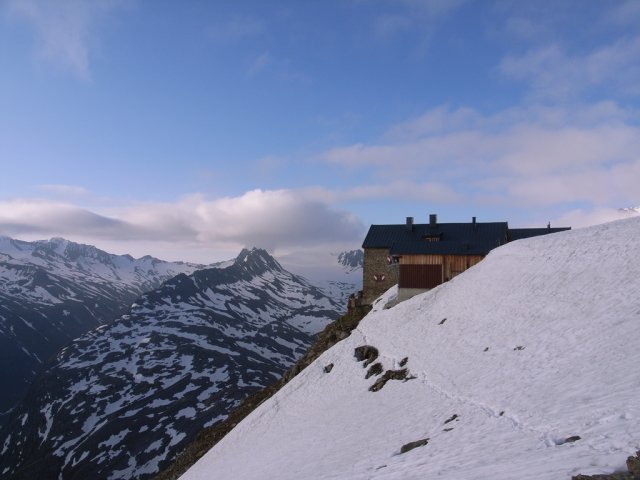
x=452, y=265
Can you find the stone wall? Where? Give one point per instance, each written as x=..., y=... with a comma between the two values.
x=376, y=265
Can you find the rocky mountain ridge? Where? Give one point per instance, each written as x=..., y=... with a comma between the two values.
x=124, y=399
x=52, y=291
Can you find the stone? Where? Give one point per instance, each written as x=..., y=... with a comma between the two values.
x=388, y=375
x=411, y=445
x=366, y=353
x=375, y=369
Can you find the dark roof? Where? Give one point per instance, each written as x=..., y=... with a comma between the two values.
x=455, y=238
x=518, y=233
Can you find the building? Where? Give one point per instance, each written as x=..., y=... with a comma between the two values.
x=419, y=257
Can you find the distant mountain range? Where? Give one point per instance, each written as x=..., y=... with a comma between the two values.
x=631, y=210
x=351, y=260
x=122, y=400
x=54, y=291
x=339, y=274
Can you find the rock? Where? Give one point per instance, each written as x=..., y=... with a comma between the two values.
x=404, y=361
x=388, y=375
x=633, y=465
x=328, y=368
x=366, y=353
x=411, y=445
x=451, y=419
x=375, y=369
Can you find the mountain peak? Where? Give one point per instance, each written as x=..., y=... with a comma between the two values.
x=351, y=260
x=257, y=260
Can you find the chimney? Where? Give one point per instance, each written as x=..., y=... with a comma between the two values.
x=473, y=222
x=433, y=220
x=409, y=224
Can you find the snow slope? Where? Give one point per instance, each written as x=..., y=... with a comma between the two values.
x=539, y=345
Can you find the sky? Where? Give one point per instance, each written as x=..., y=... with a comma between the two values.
x=189, y=130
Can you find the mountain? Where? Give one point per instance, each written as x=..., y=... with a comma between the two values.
x=523, y=367
x=351, y=260
x=630, y=210
x=55, y=290
x=339, y=274
x=124, y=399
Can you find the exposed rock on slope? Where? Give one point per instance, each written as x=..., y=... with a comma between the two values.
x=124, y=399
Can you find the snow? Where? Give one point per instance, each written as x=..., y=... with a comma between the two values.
x=188, y=412
x=534, y=345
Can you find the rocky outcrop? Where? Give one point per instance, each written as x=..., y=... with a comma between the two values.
x=633, y=467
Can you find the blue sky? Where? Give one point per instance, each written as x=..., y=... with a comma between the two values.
x=188, y=130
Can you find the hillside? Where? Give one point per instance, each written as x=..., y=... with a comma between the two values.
x=523, y=367
x=52, y=291
x=124, y=399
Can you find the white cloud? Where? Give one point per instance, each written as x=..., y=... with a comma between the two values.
x=64, y=29
x=418, y=18
x=554, y=74
x=44, y=217
x=69, y=190
x=583, y=218
x=278, y=220
x=529, y=156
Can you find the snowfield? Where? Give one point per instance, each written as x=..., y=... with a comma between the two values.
x=525, y=366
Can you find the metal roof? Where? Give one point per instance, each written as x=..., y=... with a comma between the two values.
x=455, y=238
x=518, y=233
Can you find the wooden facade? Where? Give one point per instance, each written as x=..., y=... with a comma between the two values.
x=429, y=271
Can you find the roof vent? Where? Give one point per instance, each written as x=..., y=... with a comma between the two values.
x=473, y=221
x=409, y=224
x=433, y=219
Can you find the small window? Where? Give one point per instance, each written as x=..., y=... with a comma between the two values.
x=431, y=238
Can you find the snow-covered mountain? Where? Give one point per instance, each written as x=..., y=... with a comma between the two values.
x=55, y=290
x=352, y=260
x=630, y=210
x=124, y=399
x=525, y=366
x=339, y=274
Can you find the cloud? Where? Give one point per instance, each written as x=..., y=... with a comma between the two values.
x=584, y=218
x=556, y=75
x=419, y=18
x=526, y=156
x=260, y=63
x=279, y=68
x=43, y=217
x=625, y=13
x=64, y=29
x=70, y=190
x=275, y=220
